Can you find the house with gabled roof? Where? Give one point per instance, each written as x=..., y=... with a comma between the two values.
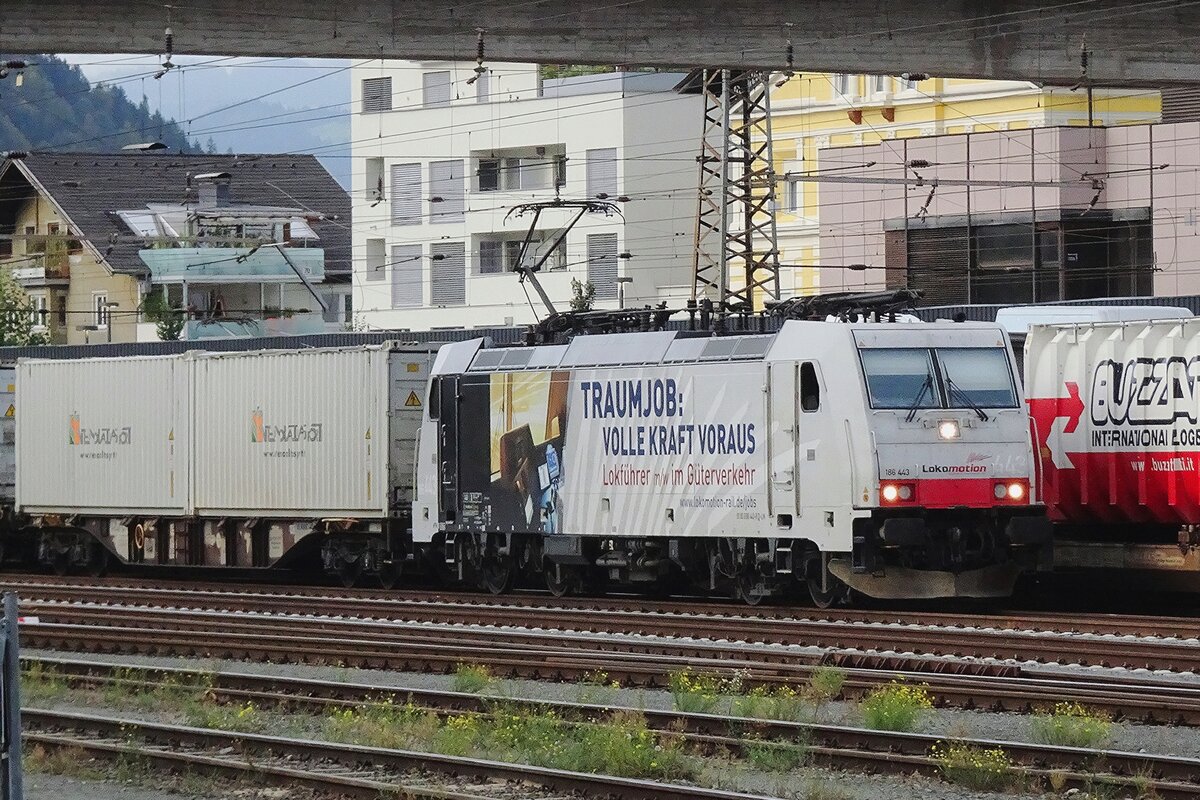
x=240, y=245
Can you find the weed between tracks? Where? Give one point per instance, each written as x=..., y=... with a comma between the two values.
x=978, y=768
x=895, y=706
x=708, y=693
x=614, y=744
x=1071, y=725
x=472, y=678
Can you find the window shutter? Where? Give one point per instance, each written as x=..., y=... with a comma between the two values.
x=376, y=95
x=449, y=274
x=602, y=264
x=436, y=89
x=446, y=182
x=408, y=276
x=483, y=87
x=602, y=172
x=406, y=194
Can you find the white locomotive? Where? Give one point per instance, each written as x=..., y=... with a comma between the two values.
x=889, y=459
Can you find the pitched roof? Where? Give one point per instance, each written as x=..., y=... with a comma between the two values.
x=90, y=187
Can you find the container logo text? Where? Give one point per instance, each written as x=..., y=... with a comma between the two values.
x=79, y=435
x=290, y=433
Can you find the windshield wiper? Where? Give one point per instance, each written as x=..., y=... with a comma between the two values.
x=966, y=398
x=916, y=403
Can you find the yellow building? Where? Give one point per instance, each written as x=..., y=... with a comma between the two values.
x=812, y=112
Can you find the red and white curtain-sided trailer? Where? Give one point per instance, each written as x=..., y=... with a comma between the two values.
x=1115, y=409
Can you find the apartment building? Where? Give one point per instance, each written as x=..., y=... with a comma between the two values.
x=445, y=156
x=818, y=118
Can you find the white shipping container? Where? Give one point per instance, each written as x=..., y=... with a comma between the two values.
x=104, y=436
x=292, y=433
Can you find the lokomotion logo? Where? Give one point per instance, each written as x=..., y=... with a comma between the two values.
x=262, y=432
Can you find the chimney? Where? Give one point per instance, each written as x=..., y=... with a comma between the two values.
x=213, y=189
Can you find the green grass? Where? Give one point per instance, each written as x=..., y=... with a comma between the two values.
x=695, y=692
x=204, y=713
x=776, y=756
x=826, y=684
x=982, y=769
x=1071, y=725
x=895, y=707
x=42, y=684
x=472, y=678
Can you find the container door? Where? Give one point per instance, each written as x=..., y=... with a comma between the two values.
x=448, y=446
x=781, y=443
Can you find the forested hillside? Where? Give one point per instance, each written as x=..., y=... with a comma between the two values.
x=57, y=109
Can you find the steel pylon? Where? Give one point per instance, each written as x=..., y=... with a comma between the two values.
x=736, y=255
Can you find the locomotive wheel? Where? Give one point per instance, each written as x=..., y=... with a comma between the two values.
x=742, y=588
x=836, y=594
x=389, y=575
x=496, y=574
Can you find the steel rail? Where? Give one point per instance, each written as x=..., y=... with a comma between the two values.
x=364, y=601
x=1085, y=650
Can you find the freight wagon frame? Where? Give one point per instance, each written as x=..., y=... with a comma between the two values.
x=259, y=459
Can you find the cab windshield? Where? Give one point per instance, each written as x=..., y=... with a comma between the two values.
x=943, y=377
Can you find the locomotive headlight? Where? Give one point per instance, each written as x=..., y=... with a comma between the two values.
x=890, y=492
x=948, y=429
x=906, y=491
x=1001, y=491
x=1016, y=491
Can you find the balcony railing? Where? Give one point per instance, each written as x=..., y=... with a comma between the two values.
x=233, y=263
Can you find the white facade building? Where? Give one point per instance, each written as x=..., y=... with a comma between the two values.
x=439, y=163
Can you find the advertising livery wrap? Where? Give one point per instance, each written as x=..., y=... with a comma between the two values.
x=1116, y=413
x=594, y=451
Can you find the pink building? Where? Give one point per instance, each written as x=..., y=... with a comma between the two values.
x=1036, y=215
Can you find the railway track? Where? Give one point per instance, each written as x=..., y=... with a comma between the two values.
x=645, y=661
x=1129, y=652
x=335, y=768
x=832, y=745
x=757, y=620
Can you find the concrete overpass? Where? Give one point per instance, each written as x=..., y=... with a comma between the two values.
x=1148, y=42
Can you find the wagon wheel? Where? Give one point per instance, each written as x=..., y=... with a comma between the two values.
x=563, y=580
x=98, y=561
x=389, y=574
x=349, y=573
x=61, y=564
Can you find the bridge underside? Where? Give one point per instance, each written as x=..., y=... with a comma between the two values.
x=1152, y=42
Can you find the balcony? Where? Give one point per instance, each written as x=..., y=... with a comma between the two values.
x=233, y=264
x=240, y=327
x=47, y=260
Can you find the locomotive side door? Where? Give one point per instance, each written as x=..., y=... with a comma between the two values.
x=782, y=401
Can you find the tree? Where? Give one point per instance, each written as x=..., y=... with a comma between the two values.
x=18, y=316
x=58, y=109
x=168, y=319
x=583, y=295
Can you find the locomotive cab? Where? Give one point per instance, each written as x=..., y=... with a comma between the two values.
x=952, y=505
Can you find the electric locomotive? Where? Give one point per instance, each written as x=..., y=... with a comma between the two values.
x=828, y=457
